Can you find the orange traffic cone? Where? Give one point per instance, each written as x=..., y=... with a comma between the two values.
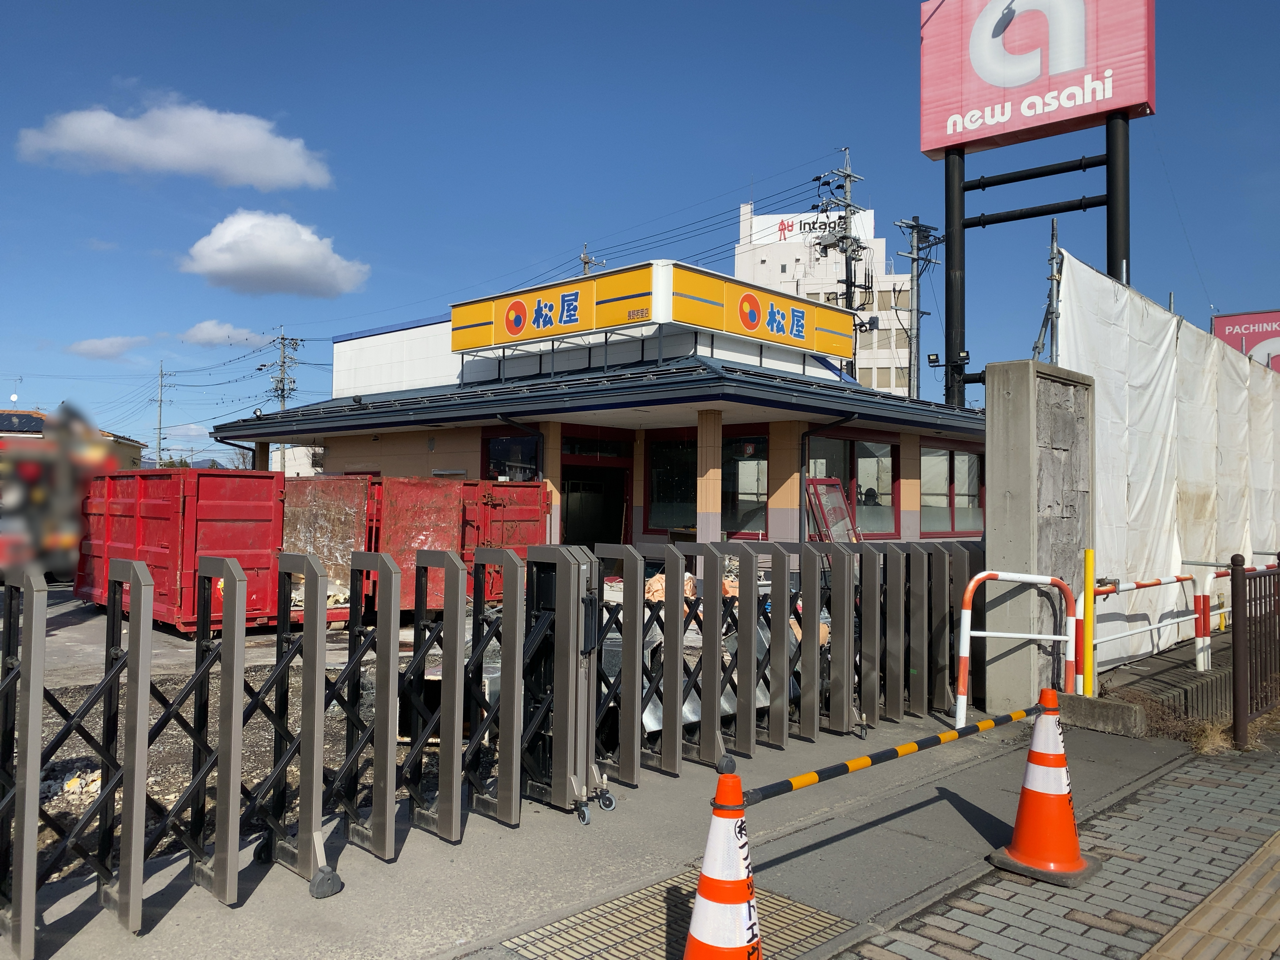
x=1045, y=843
x=725, y=924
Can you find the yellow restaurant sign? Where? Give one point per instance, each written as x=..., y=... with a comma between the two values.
x=657, y=292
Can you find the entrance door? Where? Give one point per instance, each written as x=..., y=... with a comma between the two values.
x=594, y=505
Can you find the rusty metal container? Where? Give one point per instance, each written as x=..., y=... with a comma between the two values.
x=168, y=518
x=332, y=516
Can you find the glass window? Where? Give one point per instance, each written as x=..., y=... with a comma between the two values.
x=968, y=491
x=884, y=338
x=882, y=378
x=874, y=506
x=950, y=491
x=865, y=341
x=901, y=377
x=744, y=485
x=935, y=483
x=513, y=458
x=864, y=376
x=900, y=339
x=586, y=447
x=673, y=485
x=829, y=458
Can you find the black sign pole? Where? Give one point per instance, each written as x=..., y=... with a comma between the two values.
x=1117, y=196
x=954, y=292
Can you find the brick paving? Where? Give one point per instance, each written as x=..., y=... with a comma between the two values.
x=1185, y=876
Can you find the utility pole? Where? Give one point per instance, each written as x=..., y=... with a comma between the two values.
x=922, y=241
x=588, y=262
x=283, y=386
x=845, y=241
x=159, y=414
x=1049, y=327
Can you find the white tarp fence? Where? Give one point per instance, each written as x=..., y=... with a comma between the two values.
x=1185, y=449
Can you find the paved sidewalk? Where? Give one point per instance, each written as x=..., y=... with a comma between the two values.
x=1177, y=879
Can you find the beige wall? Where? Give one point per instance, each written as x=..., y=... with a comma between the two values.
x=552, y=474
x=909, y=486
x=413, y=454
x=784, y=479
x=710, y=454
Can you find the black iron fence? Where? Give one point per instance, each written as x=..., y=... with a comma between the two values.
x=1255, y=643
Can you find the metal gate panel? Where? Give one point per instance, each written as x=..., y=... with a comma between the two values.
x=21, y=684
x=918, y=629
x=895, y=598
x=509, y=631
x=623, y=692
x=376, y=833
x=746, y=660
x=705, y=677
x=941, y=697
x=774, y=668
x=443, y=816
x=871, y=582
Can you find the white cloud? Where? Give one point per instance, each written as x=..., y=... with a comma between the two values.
x=215, y=333
x=255, y=252
x=233, y=149
x=107, y=348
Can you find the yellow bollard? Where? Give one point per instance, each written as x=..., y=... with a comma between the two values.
x=1087, y=613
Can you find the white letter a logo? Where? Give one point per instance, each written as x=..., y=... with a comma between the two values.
x=1000, y=68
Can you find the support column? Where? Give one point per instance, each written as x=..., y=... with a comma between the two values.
x=710, y=451
x=262, y=456
x=909, y=487
x=1118, y=266
x=553, y=475
x=638, y=468
x=954, y=283
x=784, y=480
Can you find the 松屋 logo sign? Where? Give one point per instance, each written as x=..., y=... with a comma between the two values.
x=994, y=72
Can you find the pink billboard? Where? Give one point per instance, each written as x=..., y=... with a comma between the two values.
x=1257, y=335
x=995, y=72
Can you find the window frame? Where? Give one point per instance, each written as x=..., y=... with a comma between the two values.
x=952, y=447
x=853, y=435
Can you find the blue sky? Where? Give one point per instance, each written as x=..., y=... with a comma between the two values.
x=453, y=151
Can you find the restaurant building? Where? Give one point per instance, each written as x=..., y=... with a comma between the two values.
x=659, y=402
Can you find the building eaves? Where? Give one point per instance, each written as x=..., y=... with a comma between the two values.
x=685, y=380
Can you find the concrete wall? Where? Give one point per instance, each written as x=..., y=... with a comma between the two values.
x=412, y=454
x=1039, y=514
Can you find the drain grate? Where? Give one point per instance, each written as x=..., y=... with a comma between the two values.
x=651, y=924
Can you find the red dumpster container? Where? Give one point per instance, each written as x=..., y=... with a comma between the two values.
x=169, y=518
x=403, y=515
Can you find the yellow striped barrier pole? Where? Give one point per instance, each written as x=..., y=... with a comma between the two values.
x=791, y=784
x=1087, y=613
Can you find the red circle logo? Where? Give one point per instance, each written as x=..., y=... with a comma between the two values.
x=749, y=311
x=517, y=316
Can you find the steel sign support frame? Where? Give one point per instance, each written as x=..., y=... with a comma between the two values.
x=1116, y=200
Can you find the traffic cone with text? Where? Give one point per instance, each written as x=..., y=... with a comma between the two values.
x=1045, y=843
x=725, y=924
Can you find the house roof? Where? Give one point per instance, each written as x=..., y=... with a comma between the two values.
x=32, y=421
x=686, y=380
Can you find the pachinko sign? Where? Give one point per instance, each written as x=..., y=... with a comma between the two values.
x=1256, y=335
x=995, y=72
